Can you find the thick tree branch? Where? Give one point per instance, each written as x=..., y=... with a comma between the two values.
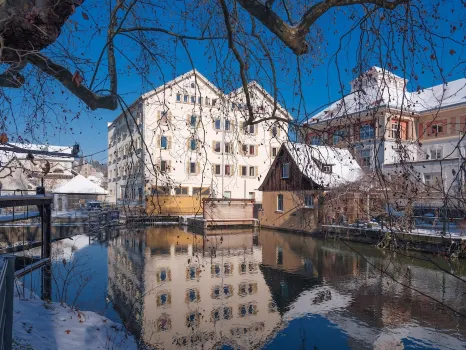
x=64, y=76
x=295, y=36
x=11, y=77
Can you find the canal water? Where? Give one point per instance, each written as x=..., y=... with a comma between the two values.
x=268, y=289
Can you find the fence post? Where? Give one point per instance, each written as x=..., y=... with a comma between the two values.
x=10, y=281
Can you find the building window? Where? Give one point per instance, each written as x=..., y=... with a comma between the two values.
x=315, y=140
x=217, y=146
x=227, y=170
x=163, y=142
x=366, y=132
x=437, y=129
x=192, y=85
x=181, y=191
x=192, y=167
x=252, y=171
x=274, y=131
x=199, y=100
x=436, y=153
x=227, y=194
x=280, y=202
x=214, y=101
x=285, y=170
x=207, y=101
x=218, y=169
x=227, y=125
x=252, y=195
x=164, y=117
x=252, y=150
x=338, y=136
x=217, y=124
x=185, y=98
x=396, y=129
x=309, y=201
x=365, y=157
x=178, y=97
x=244, y=170
x=274, y=151
x=434, y=179
x=193, y=144
x=193, y=99
x=244, y=149
x=193, y=121
x=227, y=148
x=163, y=166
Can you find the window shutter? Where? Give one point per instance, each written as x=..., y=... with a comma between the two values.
x=198, y=144
x=198, y=168
x=241, y=127
x=169, y=164
x=256, y=171
x=169, y=142
x=170, y=115
x=188, y=146
x=256, y=150
x=240, y=169
x=187, y=168
x=158, y=115
x=158, y=141
x=256, y=129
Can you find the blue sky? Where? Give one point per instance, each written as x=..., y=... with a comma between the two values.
x=320, y=76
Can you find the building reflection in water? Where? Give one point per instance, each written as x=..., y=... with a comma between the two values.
x=174, y=289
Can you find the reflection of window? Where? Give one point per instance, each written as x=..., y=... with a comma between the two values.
x=228, y=269
x=242, y=268
x=218, y=291
x=227, y=313
x=164, y=299
x=252, y=267
x=215, y=270
x=193, y=319
x=272, y=307
x=246, y=288
x=163, y=275
x=164, y=323
x=279, y=256
x=247, y=309
x=215, y=315
x=192, y=272
x=192, y=295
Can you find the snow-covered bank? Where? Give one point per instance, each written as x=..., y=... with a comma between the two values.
x=42, y=325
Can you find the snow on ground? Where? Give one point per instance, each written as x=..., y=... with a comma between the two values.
x=42, y=325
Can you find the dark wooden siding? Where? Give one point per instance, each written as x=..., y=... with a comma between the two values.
x=296, y=182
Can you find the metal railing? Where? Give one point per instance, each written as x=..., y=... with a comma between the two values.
x=7, y=277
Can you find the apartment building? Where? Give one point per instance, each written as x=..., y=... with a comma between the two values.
x=189, y=138
x=389, y=128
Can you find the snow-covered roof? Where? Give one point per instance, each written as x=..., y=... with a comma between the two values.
x=80, y=185
x=309, y=159
x=378, y=88
x=6, y=156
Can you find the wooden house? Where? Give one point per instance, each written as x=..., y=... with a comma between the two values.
x=295, y=184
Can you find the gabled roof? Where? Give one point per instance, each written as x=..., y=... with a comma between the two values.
x=6, y=156
x=379, y=88
x=179, y=79
x=80, y=185
x=310, y=159
x=254, y=85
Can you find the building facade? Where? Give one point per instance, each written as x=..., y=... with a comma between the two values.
x=390, y=129
x=187, y=138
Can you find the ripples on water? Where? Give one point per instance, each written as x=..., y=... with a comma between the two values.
x=265, y=290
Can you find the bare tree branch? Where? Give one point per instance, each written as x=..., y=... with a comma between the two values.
x=63, y=75
x=295, y=36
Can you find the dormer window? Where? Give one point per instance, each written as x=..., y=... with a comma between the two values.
x=326, y=168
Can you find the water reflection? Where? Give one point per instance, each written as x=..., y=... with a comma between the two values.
x=174, y=290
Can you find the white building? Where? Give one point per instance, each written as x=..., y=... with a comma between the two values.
x=383, y=124
x=187, y=137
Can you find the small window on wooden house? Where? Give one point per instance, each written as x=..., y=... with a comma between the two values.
x=285, y=170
